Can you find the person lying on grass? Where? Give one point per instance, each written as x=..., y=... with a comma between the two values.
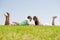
x=7, y=16
x=25, y=22
x=36, y=21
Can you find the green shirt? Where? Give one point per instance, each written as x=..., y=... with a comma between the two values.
x=25, y=22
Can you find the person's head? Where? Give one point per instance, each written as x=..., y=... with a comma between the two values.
x=29, y=17
x=35, y=18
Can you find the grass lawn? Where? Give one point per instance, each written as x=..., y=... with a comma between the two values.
x=29, y=33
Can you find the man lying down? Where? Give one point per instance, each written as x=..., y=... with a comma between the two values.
x=25, y=22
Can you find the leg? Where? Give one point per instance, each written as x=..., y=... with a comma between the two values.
x=53, y=20
x=15, y=23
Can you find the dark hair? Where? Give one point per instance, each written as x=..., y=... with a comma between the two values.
x=36, y=20
x=29, y=17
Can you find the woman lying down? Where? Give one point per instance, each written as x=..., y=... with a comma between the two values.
x=25, y=22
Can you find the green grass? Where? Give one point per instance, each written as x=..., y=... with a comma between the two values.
x=29, y=33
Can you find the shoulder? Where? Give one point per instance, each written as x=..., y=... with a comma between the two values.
x=27, y=19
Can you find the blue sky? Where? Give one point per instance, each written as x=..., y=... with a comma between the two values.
x=20, y=9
